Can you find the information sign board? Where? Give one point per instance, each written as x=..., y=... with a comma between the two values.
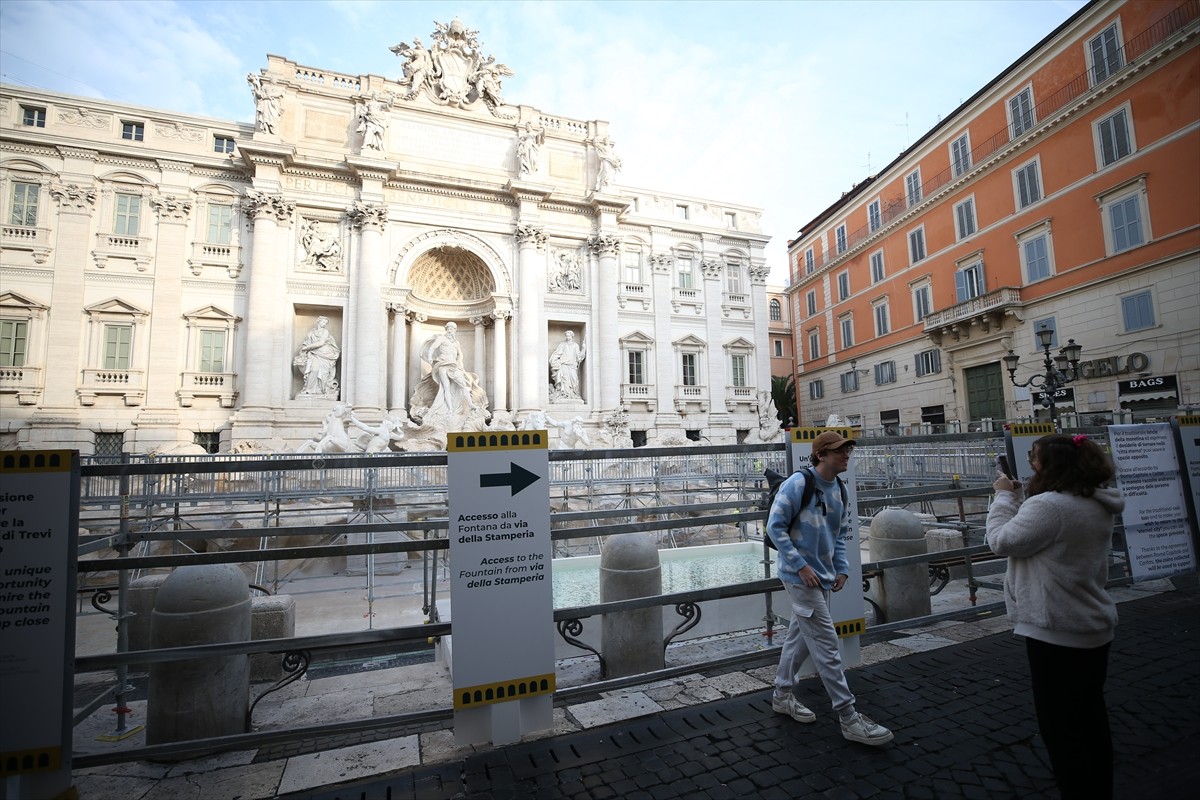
x=501, y=584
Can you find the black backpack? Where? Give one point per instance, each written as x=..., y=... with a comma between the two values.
x=775, y=480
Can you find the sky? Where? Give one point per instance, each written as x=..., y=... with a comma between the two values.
x=781, y=105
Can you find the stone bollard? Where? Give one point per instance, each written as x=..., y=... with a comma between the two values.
x=271, y=617
x=903, y=592
x=631, y=641
x=141, y=606
x=940, y=539
x=201, y=697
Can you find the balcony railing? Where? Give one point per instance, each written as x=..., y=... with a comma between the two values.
x=24, y=382
x=22, y=237
x=115, y=245
x=225, y=256
x=127, y=383
x=687, y=298
x=635, y=293
x=221, y=385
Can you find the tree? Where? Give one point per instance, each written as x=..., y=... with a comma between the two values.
x=783, y=395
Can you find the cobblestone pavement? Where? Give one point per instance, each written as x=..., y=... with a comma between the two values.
x=962, y=714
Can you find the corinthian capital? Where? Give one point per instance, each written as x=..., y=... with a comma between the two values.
x=530, y=234
x=661, y=263
x=605, y=245
x=712, y=269
x=365, y=215
x=73, y=197
x=260, y=204
x=171, y=208
x=759, y=273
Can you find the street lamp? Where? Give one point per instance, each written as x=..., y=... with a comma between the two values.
x=1061, y=369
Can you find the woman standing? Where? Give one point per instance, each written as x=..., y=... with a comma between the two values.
x=1057, y=542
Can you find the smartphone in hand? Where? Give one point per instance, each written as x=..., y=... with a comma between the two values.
x=1002, y=465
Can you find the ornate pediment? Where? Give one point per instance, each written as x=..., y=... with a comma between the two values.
x=453, y=71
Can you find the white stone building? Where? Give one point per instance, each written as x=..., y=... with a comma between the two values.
x=162, y=271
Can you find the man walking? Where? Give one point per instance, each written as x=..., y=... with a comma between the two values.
x=812, y=562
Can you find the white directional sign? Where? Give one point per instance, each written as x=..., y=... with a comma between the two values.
x=846, y=606
x=501, y=585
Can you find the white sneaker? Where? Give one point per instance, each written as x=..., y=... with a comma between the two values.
x=788, y=704
x=861, y=729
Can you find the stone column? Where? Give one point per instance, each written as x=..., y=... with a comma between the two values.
x=607, y=248
x=663, y=375
x=718, y=413
x=759, y=273
x=531, y=378
x=368, y=341
x=398, y=371
x=500, y=361
x=75, y=205
x=267, y=327
x=480, y=365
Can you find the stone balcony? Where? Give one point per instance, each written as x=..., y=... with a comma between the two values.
x=129, y=384
x=633, y=295
x=691, y=398
x=24, y=382
x=642, y=393
x=739, y=398
x=22, y=237
x=687, y=299
x=209, y=254
x=983, y=314
x=221, y=385
x=736, y=303
x=122, y=247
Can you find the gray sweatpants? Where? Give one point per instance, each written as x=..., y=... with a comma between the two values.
x=811, y=633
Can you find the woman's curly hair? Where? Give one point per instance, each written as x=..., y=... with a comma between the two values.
x=1069, y=464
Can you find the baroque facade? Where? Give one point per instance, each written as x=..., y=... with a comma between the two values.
x=170, y=279
x=1063, y=195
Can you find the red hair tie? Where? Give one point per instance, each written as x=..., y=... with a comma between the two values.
x=1079, y=439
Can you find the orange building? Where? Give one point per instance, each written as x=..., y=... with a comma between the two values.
x=779, y=331
x=1064, y=195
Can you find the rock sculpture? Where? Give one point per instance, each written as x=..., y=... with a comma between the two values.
x=567, y=273
x=448, y=394
x=332, y=436
x=529, y=143
x=564, y=369
x=373, y=120
x=268, y=103
x=572, y=435
x=317, y=361
x=609, y=163
x=453, y=71
x=389, y=430
x=320, y=251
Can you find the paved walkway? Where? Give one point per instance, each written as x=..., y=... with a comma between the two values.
x=958, y=701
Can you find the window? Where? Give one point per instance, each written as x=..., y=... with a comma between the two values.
x=1124, y=218
x=841, y=238
x=776, y=311
x=1035, y=254
x=816, y=390
x=1020, y=112
x=814, y=344
x=874, y=217
x=683, y=272
x=882, y=320
x=843, y=281
x=33, y=116
x=1104, y=51
x=929, y=362
x=922, y=301
x=1137, y=311
x=212, y=351
x=849, y=381
x=638, y=438
x=222, y=144
x=681, y=212
x=733, y=277
x=969, y=283
x=1029, y=184
x=209, y=440
x=810, y=303
x=916, y=245
x=690, y=374
x=964, y=218
x=778, y=344
x=117, y=346
x=846, y=325
x=24, y=204
x=14, y=342
x=220, y=224
x=912, y=187
x=809, y=262
x=133, y=131
x=637, y=367
x=730, y=220
x=631, y=259
x=877, y=266
x=128, y=213
x=885, y=373
x=1112, y=138
x=108, y=445
x=737, y=365
x=1046, y=323
x=960, y=155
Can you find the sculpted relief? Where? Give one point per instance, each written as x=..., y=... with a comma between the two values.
x=453, y=71
x=322, y=250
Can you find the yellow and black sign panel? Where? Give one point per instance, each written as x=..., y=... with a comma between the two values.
x=476, y=441
x=1188, y=419
x=1031, y=428
x=850, y=627
x=808, y=434
x=38, y=759
x=37, y=461
x=503, y=691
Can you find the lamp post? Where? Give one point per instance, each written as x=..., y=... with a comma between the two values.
x=1061, y=369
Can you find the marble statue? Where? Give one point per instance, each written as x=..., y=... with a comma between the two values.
x=268, y=102
x=333, y=436
x=373, y=120
x=453, y=69
x=317, y=360
x=564, y=369
x=528, y=143
x=390, y=429
x=768, y=428
x=567, y=273
x=418, y=66
x=487, y=81
x=537, y=420
x=614, y=430
x=448, y=393
x=572, y=435
x=609, y=163
x=322, y=252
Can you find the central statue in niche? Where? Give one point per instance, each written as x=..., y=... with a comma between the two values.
x=447, y=397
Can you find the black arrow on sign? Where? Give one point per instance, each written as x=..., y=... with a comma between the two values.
x=517, y=477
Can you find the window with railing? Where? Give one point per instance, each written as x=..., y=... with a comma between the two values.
x=841, y=238
x=912, y=187
x=127, y=214
x=1104, y=54
x=874, y=216
x=24, y=208
x=1020, y=112
x=960, y=155
x=969, y=282
x=14, y=342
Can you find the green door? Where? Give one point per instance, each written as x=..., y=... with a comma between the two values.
x=985, y=392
